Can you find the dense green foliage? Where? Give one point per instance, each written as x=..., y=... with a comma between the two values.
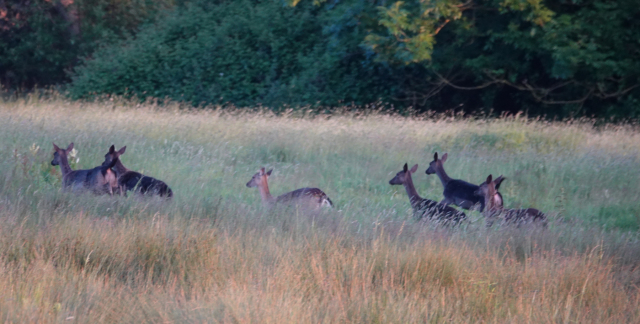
x=41, y=39
x=578, y=56
x=554, y=58
x=244, y=52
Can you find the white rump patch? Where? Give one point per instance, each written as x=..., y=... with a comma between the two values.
x=498, y=200
x=326, y=203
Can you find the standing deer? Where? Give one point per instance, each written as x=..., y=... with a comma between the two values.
x=424, y=207
x=99, y=180
x=459, y=192
x=487, y=190
x=135, y=181
x=309, y=198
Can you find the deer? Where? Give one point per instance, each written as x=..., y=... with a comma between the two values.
x=308, y=198
x=487, y=190
x=425, y=208
x=459, y=192
x=99, y=180
x=134, y=181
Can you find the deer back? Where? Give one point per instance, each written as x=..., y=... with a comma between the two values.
x=313, y=198
x=429, y=209
x=524, y=216
x=462, y=194
x=145, y=185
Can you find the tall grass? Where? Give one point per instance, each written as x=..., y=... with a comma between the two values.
x=213, y=254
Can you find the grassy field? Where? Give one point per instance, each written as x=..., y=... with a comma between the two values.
x=212, y=254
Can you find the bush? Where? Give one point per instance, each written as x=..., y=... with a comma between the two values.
x=243, y=52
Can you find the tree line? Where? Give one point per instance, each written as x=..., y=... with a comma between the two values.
x=553, y=58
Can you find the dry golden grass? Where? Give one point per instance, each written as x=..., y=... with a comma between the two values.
x=213, y=255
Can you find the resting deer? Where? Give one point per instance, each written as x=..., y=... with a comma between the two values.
x=311, y=198
x=510, y=216
x=459, y=192
x=424, y=207
x=99, y=180
x=135, y=181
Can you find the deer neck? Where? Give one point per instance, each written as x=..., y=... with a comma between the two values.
x=491, y=208
x=266, y=196
x=64, y=166
x=120, y=168
x=442, y=175
x=414, y=198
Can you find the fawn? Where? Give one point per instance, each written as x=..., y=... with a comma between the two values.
x=134, y=181
x=99, y=180
x=511, y=216
x=459, y=192
x=424, y=207
x=311, y=198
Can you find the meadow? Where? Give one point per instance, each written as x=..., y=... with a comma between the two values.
x=213, y=254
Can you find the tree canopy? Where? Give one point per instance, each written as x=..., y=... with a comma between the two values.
x=555, y=58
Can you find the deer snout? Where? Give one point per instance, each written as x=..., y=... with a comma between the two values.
x=430, y=171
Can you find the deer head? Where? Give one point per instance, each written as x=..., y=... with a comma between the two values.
x=60, y=155
x=487, y=188
x=112, y=155
x=436, y=164
x=259, y=179
x=402, y=176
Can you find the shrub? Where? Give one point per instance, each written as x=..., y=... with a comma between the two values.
x=243, y=52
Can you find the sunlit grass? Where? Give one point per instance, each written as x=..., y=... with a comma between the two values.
x=213, y=254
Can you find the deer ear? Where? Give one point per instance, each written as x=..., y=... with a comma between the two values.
x=112, y=149
x=55, y=147
x=444, y=157
x=269, y=172
x=121, y=151
x=261, y=171
x=414, y=169
x=435, y=156
x=498, y=181
x=70, y=147
x=489, y=178
x=405, y=167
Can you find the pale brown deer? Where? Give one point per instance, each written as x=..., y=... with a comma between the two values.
x=459, y=192
x=425, y=208
x=518, y=217
x=307, y=198
x=99, y=180
x=134, y=181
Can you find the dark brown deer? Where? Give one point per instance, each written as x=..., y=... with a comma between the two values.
x=487, y=190
x=99, y=180
x=135, y=181
x=459, y=192
x=425, y=208
x=308, y=198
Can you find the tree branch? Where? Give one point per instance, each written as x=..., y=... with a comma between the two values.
x=538, y=93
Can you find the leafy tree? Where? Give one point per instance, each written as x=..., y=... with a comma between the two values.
x=40, y=39
x=548, y=57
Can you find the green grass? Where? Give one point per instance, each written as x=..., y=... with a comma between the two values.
x=213, y=254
